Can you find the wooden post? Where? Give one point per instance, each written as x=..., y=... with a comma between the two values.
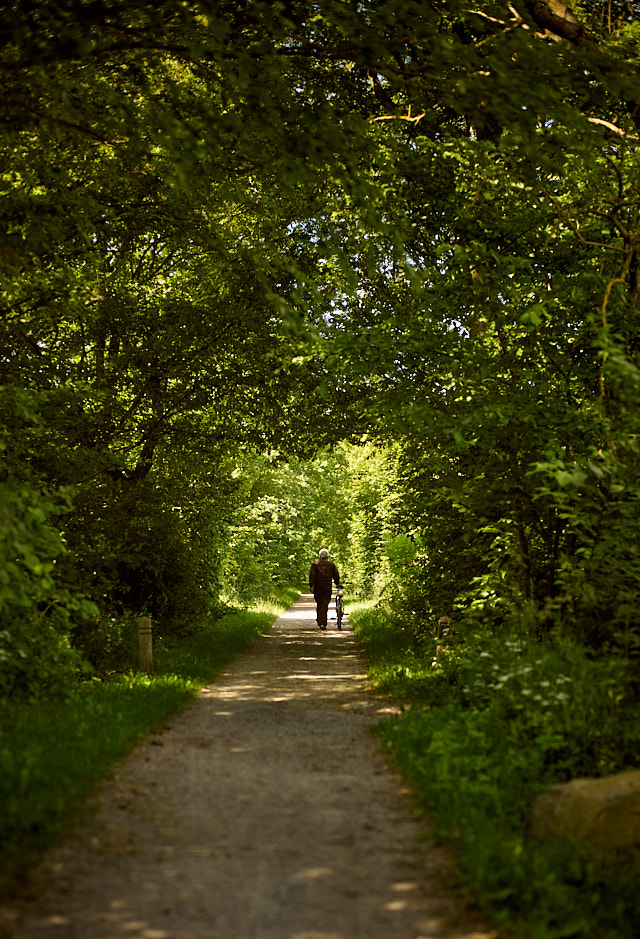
x=444, y=626
x=145, y=644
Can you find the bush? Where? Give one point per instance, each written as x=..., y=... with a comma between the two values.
x=36, y=607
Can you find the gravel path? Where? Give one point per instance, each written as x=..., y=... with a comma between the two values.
x=266, y=810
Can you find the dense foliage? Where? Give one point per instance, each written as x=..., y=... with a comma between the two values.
x=236, y=228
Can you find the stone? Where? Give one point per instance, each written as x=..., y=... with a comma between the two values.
x=603, y=814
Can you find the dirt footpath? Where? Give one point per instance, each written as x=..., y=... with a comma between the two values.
x=266, y=810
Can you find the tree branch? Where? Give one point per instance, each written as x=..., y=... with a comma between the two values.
x=554, y=16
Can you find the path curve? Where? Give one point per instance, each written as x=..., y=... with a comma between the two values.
x=265, y=810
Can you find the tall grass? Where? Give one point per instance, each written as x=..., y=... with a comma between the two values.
x=480, y=736
x=53, y=752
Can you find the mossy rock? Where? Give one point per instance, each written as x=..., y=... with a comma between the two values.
x=602, y=814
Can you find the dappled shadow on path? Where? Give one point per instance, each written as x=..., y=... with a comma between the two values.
x=299, y=662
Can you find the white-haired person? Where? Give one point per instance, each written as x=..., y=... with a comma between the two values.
x=322, y=572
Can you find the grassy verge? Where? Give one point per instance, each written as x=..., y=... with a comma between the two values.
x=53, y=753
x=479, y=737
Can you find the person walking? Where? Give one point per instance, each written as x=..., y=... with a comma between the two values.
x=322, y=572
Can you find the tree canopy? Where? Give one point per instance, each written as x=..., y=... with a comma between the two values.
x=233, y=231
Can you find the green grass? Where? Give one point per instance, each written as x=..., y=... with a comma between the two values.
x=480, y=737
x=53, y=753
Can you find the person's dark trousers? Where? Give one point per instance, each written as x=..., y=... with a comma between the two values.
x=322, y=595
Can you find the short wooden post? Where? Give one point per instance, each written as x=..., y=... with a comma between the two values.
x=145, y=644
x=444, y=626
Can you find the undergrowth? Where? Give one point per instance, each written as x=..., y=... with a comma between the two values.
x=53, y=752
x=485, y=731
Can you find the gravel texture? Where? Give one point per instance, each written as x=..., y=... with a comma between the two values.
x=265, y=810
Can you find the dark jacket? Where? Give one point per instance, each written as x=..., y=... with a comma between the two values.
x=322, y=573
